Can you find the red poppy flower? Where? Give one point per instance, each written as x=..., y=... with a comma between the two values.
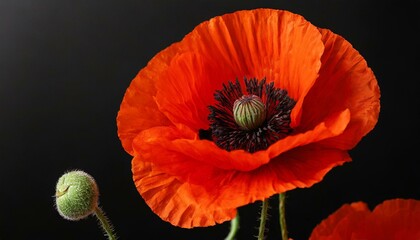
x=392, y=220
x=308, y=97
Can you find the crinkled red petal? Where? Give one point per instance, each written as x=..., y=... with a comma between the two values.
x=180, y=203
x=345, y=82
x=393, y=219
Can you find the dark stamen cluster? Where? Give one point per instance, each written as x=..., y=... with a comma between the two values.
x=226, y=133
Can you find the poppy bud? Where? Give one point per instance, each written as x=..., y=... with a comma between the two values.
x=76, y=195
x=249, y=112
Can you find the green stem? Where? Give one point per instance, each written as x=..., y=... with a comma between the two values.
x=282, y=212
x=263, y=219
x=105, y=223
x=234, y=226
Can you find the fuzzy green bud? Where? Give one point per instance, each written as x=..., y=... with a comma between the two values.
x=249, y=112
x=76, y=195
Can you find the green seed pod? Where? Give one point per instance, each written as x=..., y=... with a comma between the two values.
x=249, y=112
x=76, y=195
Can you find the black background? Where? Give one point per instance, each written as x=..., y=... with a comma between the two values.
x=65, y=65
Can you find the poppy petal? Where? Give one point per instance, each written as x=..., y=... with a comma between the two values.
x=228, y=189
x=333, y=125
x=287, y=51
x=138, y=109
x=345, y=82
x=301, y=167
x=185, y=90
x=390, y=220
x=179, y=203
x=341, y=224
x=179, y=151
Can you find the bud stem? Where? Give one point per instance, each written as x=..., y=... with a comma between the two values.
x=105, y=223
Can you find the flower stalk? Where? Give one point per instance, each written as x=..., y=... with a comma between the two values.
x=234, y=227
x=105, y=223
x=263, y=219
x=282, y=214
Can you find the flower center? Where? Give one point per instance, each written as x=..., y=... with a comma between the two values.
x=249, y=112
x=251, y=121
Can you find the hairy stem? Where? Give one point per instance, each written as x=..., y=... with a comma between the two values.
x=282, y=213
x=263, y=219
x=105, y=223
